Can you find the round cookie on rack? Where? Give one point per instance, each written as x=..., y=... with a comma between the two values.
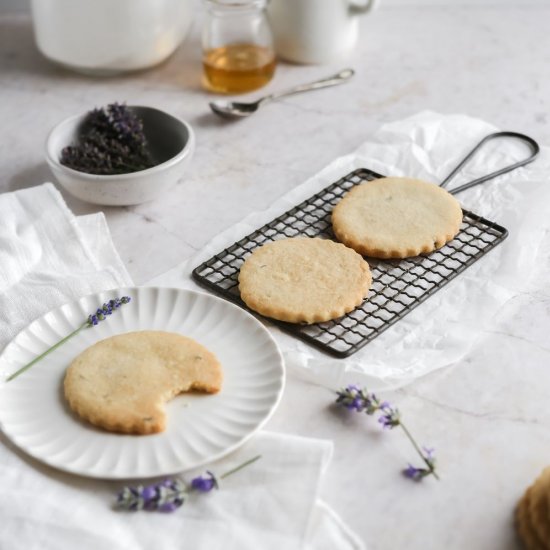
x=304, y=280
x=396, y=218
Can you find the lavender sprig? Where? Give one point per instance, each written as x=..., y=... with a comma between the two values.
x=101, y=314
x=170, y=494
x=106, y=309
x=165, y=496
x=359, y=399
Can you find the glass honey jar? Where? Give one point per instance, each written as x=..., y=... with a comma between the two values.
x=238, y=52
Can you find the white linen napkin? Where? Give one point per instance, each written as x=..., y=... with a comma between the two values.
x=49, y=257
x=271, y=504
x=441, y=330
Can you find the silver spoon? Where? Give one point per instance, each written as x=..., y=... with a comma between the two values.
x=236, y=109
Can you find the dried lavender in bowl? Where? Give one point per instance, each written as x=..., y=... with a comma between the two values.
x=111, y=141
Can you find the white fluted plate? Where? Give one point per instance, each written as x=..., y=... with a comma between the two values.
x=201, y=428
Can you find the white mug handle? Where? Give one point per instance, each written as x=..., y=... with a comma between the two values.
x=370, y=5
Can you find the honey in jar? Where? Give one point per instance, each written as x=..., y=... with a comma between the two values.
x=238, y=53
x=238, y=68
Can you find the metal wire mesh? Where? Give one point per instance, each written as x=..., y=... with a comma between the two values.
x=398, y=285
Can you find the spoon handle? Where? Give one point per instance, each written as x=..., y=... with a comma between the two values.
x=339, y=78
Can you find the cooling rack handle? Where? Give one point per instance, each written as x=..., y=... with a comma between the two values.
x=533, y=145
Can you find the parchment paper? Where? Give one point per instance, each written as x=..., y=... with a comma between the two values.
x=441, y=330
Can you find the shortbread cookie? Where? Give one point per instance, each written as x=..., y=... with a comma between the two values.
x=122, y=383
x=304, y=280
x=539, y=510
x=524, y=524
x=396, y=218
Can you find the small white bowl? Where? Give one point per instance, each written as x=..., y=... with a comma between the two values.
x=171, y=141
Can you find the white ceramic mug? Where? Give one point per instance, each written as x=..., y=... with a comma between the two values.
x=316, y=31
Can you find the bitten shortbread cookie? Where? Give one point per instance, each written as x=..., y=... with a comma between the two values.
x=122, y=383
x=304, y=280
x=396, y=218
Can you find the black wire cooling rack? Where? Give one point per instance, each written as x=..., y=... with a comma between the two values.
x=398, y=285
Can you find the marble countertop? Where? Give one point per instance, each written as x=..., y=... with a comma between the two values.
x=486, y=415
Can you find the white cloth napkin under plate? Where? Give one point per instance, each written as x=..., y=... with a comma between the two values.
x=271, y=504
x=49, y=257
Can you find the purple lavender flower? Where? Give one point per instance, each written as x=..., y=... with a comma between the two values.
x=390, y=417
x=170, y=494
x=166, y=496
x=355, y=399
x=149, y=493
x=111, y=141
x=429, y=453
x=416, y=474
x=106, y=309
x=359, y=399
x=204, y=483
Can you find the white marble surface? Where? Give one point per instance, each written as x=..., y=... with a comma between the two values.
x=486, y=416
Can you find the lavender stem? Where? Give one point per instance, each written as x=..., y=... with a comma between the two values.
x=41, y=356
x=419, y=451
x=240, y=467
x=93, y=319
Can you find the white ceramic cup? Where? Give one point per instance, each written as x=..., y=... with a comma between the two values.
x=316, y=31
